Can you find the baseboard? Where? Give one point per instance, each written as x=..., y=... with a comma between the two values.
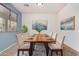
x=8, y=48
x=70, y=51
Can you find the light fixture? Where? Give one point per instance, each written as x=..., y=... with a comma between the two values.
x=10, y=18
x=26, y=5
x=39, y=4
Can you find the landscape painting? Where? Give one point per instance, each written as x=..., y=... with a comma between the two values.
x=39, y=25
x=68, y=24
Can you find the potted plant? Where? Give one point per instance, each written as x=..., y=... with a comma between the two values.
x=24, y=29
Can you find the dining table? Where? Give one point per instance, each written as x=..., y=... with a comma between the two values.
x=39, y=38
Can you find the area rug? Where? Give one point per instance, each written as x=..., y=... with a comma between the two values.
x=39, y=50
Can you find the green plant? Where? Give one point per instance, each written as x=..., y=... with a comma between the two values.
x=24, y=29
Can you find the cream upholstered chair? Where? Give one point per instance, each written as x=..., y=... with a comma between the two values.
x=54, y=37
x=50, y=34
x=44, y=32
x=57, y=47
x=33, y=32
x=21, y=45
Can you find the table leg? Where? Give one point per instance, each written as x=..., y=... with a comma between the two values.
x=47, y=48
x=31, y=49
x=18, y=52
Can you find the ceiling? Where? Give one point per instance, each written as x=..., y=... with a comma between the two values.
x=34, y=8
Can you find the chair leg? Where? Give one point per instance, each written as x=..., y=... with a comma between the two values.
x=61, y=52
x=18, y=52
x=47, y=48
x=31, y=49
x=51, y=52
x=30, y=53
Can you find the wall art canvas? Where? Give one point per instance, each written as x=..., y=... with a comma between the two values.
x=68, y=24
x=39, y=25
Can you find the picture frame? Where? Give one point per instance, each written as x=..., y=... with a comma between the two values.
x=39, y=25
x=68, y=24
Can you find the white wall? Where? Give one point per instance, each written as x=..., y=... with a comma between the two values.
x=72, y=37
x=28, y=17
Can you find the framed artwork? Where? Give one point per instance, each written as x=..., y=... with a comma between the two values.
x=39, y=25
x=68, y=24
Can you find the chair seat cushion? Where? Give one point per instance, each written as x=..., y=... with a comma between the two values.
x=25, y=46
x=54, y=46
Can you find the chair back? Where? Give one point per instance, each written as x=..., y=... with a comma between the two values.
x=19, y=40
x=33, y=32
x=51, y=34
x=62, y=41
x=56, y=37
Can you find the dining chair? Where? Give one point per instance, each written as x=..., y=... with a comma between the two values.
x=53, y=37
x=57, y=47
x=33, y=32
x=21, y=45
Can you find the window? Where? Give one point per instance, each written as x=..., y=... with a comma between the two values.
x=1, y=24
x=8, y=20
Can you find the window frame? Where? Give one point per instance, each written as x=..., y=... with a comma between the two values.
x=7, y=19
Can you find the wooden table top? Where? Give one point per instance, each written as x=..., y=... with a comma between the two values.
x=39, y=38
